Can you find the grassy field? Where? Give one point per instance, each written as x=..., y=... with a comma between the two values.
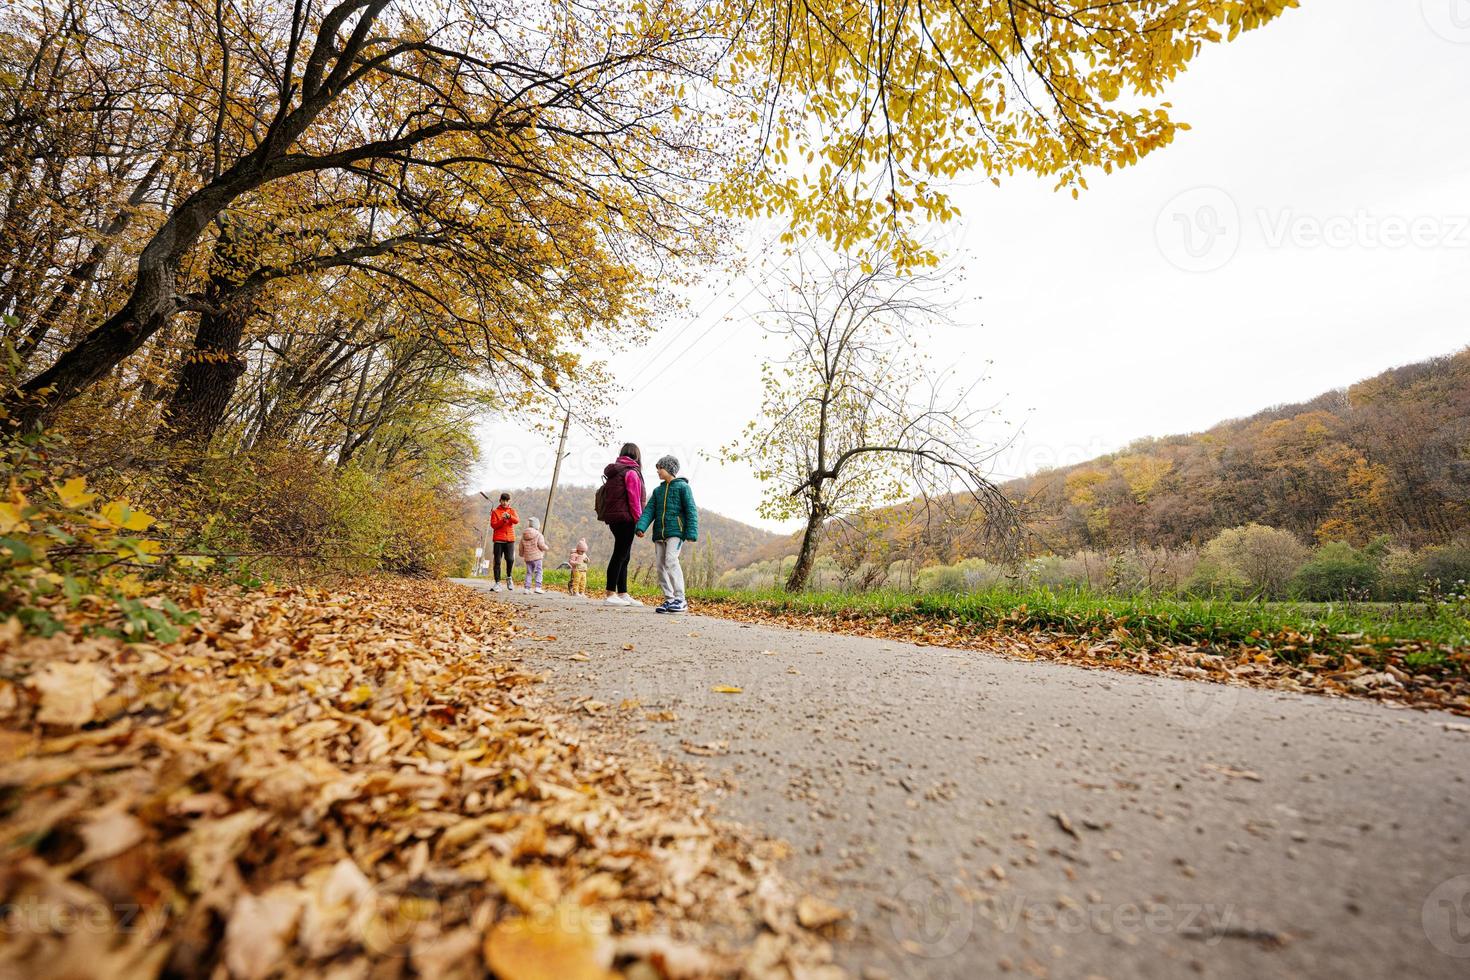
x=1435, y=633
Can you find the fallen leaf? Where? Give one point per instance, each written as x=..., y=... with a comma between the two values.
x=727, y=689
x=1064, y=822
x=671, y=959
x=256, y=933
x=106, y=834
x=814, y=913
x=70, y=692
x=557, y=946
x=707, y=748
x=1234, y=773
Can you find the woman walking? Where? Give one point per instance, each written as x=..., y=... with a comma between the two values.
x=619, y=505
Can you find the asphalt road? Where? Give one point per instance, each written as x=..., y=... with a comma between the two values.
x=983, y=816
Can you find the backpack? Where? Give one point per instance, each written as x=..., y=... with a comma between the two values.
x=600, y=500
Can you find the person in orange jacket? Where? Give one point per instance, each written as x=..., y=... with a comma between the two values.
x=503, y=521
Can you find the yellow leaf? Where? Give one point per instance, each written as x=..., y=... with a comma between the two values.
x=10, y=519
x=73, y=493
x=727, y=689
x=557, y=946
x=119, y=514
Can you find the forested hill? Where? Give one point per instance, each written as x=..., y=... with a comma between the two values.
x=729, y=542
x=1389, y=455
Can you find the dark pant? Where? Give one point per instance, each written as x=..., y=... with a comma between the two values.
x=617, y=565
x=506, y=550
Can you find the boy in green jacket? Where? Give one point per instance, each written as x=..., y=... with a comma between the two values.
x=675, y=520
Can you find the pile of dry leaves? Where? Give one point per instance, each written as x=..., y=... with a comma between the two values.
x=1382, y=674
x=357, y=783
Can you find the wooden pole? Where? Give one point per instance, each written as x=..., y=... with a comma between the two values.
x=484, y=542
x=561, y=450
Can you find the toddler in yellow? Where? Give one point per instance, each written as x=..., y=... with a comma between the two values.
x=578, y=562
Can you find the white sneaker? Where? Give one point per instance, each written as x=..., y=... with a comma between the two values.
x=629, y=600
x=495, y=587
x=540, y=591
x=615, y=600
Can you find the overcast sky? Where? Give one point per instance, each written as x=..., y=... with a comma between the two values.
x=1312, y=229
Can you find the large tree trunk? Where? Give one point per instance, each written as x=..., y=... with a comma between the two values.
x=150, y=305
x=118, y=337
x=807, y=556
x=208, y=378
x=83, y=274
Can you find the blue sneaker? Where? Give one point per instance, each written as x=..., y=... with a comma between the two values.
x=677, y=607
x=664, y=606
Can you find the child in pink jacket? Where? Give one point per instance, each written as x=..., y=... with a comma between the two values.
x=533, y=549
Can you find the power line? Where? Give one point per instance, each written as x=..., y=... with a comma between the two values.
x=696, y=318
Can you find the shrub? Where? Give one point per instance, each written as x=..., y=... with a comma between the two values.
x=1059, y=573
x=1216, y=579
x=1255, y=560
x=66, y=550
x=942, y=578
x=1337, y=571
x=1400, y=575
x=1447, y=567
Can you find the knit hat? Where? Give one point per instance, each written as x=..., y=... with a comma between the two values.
x=669, y=465
x=581, y=544
x=534, y=522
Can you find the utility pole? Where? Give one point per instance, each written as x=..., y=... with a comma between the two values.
x=484, y=543
x=561, y=450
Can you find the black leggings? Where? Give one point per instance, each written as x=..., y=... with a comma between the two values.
x=617, y=565
x=506, y=550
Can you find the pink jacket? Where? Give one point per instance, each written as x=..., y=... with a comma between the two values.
x=533, y=545
x=579, y=555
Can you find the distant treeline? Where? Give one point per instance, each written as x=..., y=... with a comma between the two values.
x=1387, y=457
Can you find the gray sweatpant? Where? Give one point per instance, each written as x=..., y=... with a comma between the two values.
x=670, y=572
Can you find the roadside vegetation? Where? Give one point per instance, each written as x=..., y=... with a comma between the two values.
x=1437, y=627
